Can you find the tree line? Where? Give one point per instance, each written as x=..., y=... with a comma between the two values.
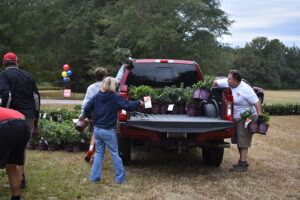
x=46, y=34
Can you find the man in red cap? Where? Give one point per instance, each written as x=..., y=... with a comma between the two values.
x=14, y=134
x=19, y=92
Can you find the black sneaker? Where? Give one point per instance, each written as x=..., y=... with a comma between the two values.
x=242, y=163
x=240, y=167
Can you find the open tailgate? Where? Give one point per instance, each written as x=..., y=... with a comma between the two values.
x=177, y=123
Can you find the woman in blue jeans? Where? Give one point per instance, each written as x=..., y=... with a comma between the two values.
x=105, y=105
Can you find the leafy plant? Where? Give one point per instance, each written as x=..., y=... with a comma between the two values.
x=85, y=136
x=170, y=94
x=282, y=109
x=246, y=114
x=156, y=96
x=2, y=173
x=189, y=97
x=206, y=84
x=198, y=85
x=266, y=118
x=141, y=91
x=50, y=132
x=208, y=81
x=180, y=100
x=69, y=134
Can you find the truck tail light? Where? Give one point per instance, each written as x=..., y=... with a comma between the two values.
x=124, y=93
x=122, y=115
x=228, y=105
x=229, y=111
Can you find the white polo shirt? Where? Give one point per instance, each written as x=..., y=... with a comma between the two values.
x=244, y=98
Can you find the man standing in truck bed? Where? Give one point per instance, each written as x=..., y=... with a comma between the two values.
x=244, y=98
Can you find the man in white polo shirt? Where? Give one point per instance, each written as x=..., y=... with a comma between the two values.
x=244, y=98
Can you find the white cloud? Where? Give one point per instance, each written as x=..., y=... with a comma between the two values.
x=257, y=18
x=265, y=18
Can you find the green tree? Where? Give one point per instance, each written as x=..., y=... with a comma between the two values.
x=160, y=29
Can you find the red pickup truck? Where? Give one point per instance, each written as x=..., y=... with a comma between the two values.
x=169, y=131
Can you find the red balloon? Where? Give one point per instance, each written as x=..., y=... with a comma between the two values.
x=69, y=79
x=66, y=67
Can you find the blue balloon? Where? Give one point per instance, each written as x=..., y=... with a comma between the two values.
x=66, y=79
x=69, y=72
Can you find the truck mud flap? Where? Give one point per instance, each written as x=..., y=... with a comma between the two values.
x=178, y=123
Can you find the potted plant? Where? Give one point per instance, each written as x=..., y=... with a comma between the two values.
x=165, y=99
x=34, y=141
x=192, y=105
x=203, y=88
x=42, y=144
x=85, y=138
x=168, y=97
x=249, y=122
x=67, y=137
x=51, y=135
x=181, y=101
x=139, y=93
x=263, y=127
x=156, y=100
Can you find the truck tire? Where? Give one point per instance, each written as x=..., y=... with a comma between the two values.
x=124, y=145
x=212, y=156
x=209, y=110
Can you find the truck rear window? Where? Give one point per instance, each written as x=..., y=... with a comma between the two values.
x=162, y=74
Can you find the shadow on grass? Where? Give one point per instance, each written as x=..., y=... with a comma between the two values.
x=171, y=163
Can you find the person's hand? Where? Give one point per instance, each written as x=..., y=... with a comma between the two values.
x=141, y=103
x=81, y=117
x=125, y=65
x=215, y=83
x=128, y=65
x=260, y=119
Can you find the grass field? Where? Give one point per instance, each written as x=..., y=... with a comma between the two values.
x=56, y=106
x=282, y=96
x=274, y=173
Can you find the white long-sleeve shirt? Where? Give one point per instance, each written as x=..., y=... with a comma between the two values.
x=93, y=89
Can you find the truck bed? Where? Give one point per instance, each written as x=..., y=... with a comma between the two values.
x=177, y=123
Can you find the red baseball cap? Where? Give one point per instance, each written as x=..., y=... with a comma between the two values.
x=10, y=56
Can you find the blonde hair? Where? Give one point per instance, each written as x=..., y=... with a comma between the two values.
x=109, y=84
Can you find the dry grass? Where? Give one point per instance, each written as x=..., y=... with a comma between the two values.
x=282, y=96
x=274, y=173
x=56, y=106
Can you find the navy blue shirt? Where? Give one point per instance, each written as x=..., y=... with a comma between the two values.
x=106, y=106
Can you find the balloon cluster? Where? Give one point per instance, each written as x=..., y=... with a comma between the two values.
x=66, y=73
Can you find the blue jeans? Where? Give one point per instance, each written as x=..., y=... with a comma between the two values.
x=107, y=137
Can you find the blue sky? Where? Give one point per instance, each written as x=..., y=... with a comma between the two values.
x=274, y=19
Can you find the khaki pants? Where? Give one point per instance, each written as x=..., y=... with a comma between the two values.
x=241, y=136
